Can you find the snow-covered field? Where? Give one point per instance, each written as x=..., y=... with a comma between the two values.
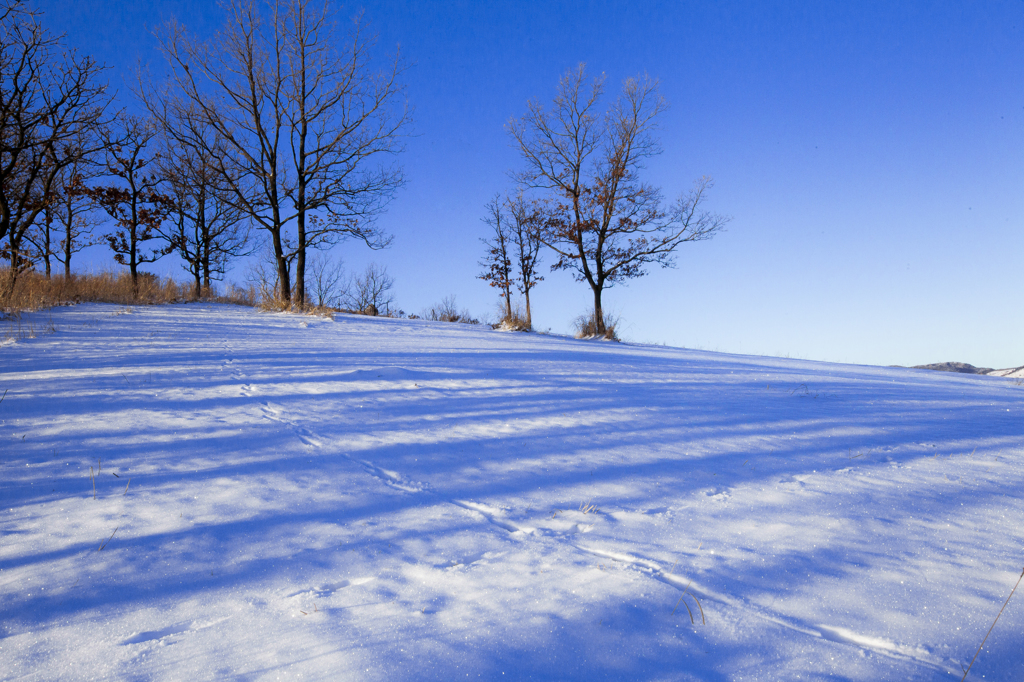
x=288, y=497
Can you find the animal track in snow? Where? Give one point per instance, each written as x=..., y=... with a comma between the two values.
x=329, y=589
x=561, y=526
x=307, y=437
x=180, y=628
x=834, y=634
x=390, y=478
x=494, y=516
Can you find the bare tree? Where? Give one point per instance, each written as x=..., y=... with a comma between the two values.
x=304, y=120
x=326, y=278
x=134, y=202
x=346, y=121
x=69, y=217
x=73, y=212
x=525, y=232
x=496, y=263
x=235, y=85
x=604, y=224
x=48, y=97
x=370, y=292
x=206, y=226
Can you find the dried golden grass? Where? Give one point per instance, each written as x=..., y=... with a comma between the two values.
x=34, y=291
x=516, y=322
x=586, y=327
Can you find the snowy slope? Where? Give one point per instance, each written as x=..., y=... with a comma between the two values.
x=287, y=497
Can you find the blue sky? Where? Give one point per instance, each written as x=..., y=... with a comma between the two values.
x=869, y=154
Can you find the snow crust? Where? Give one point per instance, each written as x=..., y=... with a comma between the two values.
x=288, y=497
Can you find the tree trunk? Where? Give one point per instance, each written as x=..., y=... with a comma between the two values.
x=508, y=303
x=15, y=253
x=206, y=270
x=133, y=230
x=67, y=256
x=598, y=312
x=134, y=269
x=529, y=316
x=204, y=247
x=199, y=286
x=300, y=207
x=284, y=288
x=300, y=259
x=47, y=223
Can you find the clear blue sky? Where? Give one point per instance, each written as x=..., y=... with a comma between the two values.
x=870, y=155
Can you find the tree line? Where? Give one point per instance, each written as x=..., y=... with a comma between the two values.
x=281, y=124
x=284, y=129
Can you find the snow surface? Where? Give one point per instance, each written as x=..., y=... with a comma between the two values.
x=289, y=497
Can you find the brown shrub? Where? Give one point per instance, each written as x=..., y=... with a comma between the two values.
x=447, y=311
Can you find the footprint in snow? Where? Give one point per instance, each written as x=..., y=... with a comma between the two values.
x=328, y=589
x=307, y=437
x=150, y=635
x=180, y=628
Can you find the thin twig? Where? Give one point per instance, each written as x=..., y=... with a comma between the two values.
x=692, y=621
x=702, y=621
x=684, y=603
x=990, y=629
x=108, y=540
x=4, y=395
x=126, y=487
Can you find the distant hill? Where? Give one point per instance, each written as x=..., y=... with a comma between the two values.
x=961, y=367
x=964, y=368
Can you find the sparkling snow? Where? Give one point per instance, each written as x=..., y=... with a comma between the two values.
x=288, y=497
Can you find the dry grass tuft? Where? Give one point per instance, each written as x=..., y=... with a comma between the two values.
x=516, y=322
x=447, y=311
x=586, y=327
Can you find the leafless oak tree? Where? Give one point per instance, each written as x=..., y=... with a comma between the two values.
x=525, y=232
x=48, y=97
x=308, y=125
x=66, y=224
x=235, y=85
x=206, y=226
x=497, y=263
x=346, y=121
x=135, y=201
x=602, y=221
